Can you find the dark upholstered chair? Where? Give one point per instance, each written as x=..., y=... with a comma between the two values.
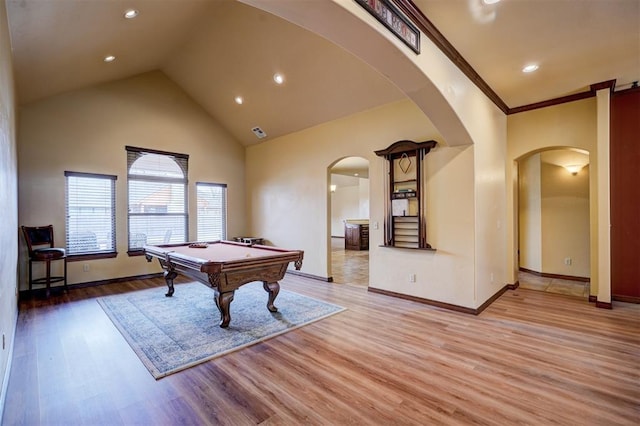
x=41, y=249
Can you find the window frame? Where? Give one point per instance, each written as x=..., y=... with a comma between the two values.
x=224, y=208
x=182, y=160
x=75, y=257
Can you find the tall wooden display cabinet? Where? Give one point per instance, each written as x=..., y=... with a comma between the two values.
x=405, y=202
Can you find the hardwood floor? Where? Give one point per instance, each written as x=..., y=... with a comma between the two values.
x=530, y=358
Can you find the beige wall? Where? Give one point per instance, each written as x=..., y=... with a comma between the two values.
x=348, y=202
x=363, y=197
x=288, y=201
x=288, y=179
x=344, y=205
x=530, y=213
x=569, y=125
x=87, y=131
x=600, y=206
x=488, y=127
x=9, y=197
x=565, y=221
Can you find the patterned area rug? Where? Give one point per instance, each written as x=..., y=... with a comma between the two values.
x=170, y=334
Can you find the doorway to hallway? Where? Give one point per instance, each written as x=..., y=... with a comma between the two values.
x=348, y=203
x=554, y=221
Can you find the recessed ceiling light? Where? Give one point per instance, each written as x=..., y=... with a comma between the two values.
x=109, y=58
x=131, y=13
x=239, y=100
x=278, y=78
x=530, y=68
x=490, y=1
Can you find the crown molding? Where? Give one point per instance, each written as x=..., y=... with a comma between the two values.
x=608, y=84
x=422, y=22
x=427, y=27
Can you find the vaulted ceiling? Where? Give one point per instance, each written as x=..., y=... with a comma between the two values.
x=219, y=49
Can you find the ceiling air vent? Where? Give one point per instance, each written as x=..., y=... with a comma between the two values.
x=259, y=132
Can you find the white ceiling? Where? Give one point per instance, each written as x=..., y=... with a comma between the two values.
x=217, y=49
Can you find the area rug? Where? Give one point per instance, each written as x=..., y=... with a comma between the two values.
x=170, y=334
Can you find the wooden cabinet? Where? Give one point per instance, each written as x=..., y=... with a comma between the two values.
x=405, y=223
x=356, y=235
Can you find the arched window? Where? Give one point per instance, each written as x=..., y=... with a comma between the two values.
x=157, y=191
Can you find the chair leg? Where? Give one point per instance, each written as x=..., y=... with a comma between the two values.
x=65, y=275
x=30, y=278
x=48, y=262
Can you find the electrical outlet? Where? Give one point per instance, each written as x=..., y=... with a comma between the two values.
x=492, y=277
x=412, y=278
x=375, y=225
x=567, y=261
x=85, y=267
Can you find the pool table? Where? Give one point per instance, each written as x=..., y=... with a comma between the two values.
x=225, y=266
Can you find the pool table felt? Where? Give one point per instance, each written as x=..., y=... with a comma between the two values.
x=223, y=252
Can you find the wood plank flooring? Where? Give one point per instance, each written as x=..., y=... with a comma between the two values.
x=530, y=358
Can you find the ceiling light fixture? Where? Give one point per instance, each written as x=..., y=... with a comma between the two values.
x=574, y=168
x=530, y=68
x=131, y=13
x=278, y=78
x=239, y=100
x=109, y=58
x=490, y=1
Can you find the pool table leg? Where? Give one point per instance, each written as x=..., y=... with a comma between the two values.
x=169, y=276
x=223, y=300
x=273, y=289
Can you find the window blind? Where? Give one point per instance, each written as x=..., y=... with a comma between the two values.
x=157, y=197
x=212, y=211
x=91, y=219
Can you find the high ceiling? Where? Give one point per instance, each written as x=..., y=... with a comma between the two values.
x=219, y=49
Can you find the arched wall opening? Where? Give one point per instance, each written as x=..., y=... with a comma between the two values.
x=467, y=270
x=348, y=221
x=553, y=220
x=540, y=130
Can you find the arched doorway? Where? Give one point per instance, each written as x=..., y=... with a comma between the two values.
x=554, y=221
x=349, y=221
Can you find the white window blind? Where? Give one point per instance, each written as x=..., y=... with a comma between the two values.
x=157, y=197
x=212, y=211
x=91, y=213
